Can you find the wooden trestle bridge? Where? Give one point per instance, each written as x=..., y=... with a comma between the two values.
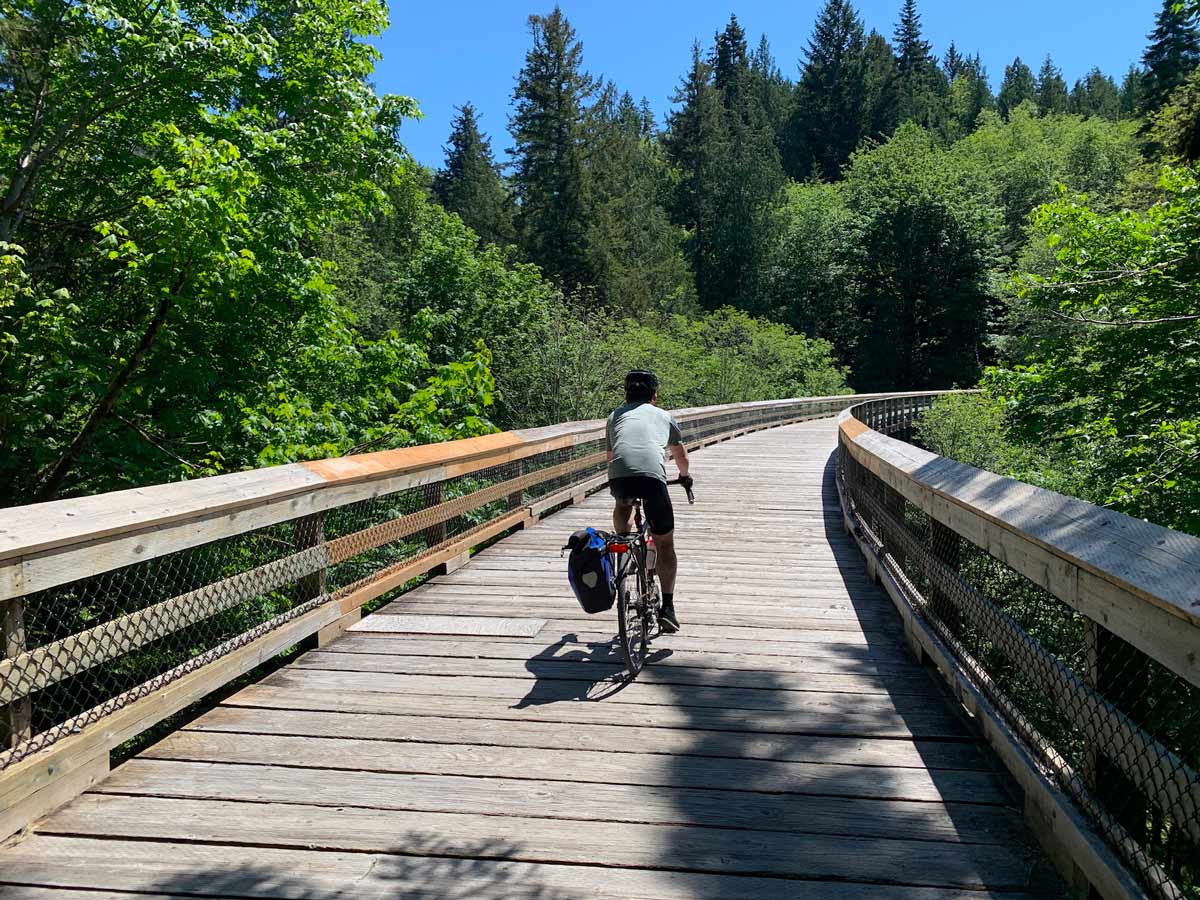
x=845, y=715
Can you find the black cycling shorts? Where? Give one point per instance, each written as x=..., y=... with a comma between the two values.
x=656, y=500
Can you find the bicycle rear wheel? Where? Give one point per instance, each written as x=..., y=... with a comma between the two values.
x=631, y=618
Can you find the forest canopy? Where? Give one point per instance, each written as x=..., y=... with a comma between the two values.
x=215, y=252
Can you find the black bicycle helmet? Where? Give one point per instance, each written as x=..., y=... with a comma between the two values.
x=642, y=376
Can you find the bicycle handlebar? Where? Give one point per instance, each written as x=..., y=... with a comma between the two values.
x=691, y=497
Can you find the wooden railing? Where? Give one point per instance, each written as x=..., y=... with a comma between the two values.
x=1071, y=632
x=122, y=609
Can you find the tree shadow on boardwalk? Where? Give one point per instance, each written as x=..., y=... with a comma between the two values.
x=420, y=865
x=885, y=786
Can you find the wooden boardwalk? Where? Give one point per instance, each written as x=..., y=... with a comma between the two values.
x=784, y=745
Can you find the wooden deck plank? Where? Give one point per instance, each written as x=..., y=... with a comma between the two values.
x=784, y=745
x=215, y=871
x=619, y=738
x=585, y=841
x=584, y=766
x=566, y=669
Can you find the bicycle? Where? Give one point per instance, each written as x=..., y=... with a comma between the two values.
x=638, y=603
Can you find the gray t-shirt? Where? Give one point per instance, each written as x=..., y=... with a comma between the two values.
x=638, y=436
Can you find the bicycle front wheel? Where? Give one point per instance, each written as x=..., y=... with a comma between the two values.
x=631, y=619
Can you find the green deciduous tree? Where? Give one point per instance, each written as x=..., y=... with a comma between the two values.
x=470, y=184
x=548, y=172
x=1021, y=162
x=922, y=250
x=167, y=168
x=1123, y=286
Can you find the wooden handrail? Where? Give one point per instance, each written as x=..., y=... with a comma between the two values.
x=47, y=544
x=1138, y=580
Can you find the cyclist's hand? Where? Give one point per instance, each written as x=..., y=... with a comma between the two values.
x=687, y=481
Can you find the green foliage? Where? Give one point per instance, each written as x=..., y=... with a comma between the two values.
x=1177, y=126
x=978, y=429
x=1052, y=96
x=1124, y=284
x=548, y=172
x=1021, y=162
x=634, y=249
x=827, y=122
x=1096, y=95
x=724, y=148
x=806, y=279
x=1019, y=86
x=577, y=360
x=191, y=154
x=470, y=185
x=1173, y=53
x=921, y=248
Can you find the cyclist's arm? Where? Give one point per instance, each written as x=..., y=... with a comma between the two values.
x=680, y=455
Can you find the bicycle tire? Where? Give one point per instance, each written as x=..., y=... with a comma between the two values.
x=631, y=619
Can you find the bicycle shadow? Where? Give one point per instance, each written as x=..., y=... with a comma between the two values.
x=575, y=670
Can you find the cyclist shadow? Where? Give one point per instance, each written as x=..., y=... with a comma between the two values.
x=587, y=671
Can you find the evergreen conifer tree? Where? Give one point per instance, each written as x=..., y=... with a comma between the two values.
x=552, y=90
x=774, y=92
x=1052, y=96
x=1096, y=95
x=470, y=184
x=1018, y=86
x=827, y=122
x=970, y=95
x=697, y=145
x=1133, y=90
x=881, y=88
x=912, y=50
x=923, y=89
x=954, y=63
x=634, y=250
x=1173, y=53
x=730, y=59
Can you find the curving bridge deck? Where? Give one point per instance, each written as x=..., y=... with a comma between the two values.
x=784, y=745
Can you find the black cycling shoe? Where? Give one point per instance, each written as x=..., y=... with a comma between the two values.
x=667, y=621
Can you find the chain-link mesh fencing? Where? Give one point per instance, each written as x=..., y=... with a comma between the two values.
x=76, y=653
x=1117, y=730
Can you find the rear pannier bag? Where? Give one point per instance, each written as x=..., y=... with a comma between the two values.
x=589, y=569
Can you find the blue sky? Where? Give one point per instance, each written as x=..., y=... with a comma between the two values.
x=445, y=53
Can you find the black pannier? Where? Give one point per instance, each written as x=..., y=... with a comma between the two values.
x=589, y=569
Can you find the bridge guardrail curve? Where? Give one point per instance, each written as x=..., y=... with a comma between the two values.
x=1071, y=632
x=119, y=610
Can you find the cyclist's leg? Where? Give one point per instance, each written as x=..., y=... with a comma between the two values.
x=624, y=493
x=660, y=515
x=666, y=562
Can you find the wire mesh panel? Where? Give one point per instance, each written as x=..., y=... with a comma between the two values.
x=1118, y=730
x=78, y=651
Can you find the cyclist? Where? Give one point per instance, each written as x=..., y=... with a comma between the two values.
x=639, y=434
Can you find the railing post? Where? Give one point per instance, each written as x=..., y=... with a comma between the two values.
x=434, y=494
x=517, y=498
x=17, y=717
x=310, y=532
